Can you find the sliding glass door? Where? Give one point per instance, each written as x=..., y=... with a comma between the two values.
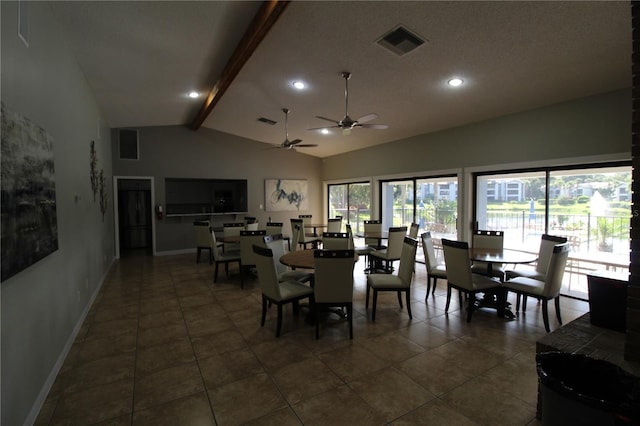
x=430, y=202
x=589, y=205
x=352, y=201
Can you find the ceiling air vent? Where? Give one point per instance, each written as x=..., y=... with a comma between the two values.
x=267, y=121
x=400, y=41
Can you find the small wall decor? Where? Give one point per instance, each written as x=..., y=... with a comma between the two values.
x=103, y=193
x=29, y=220
x=285, y=195
x=93, y=169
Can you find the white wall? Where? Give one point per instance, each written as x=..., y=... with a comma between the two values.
x=43, y=305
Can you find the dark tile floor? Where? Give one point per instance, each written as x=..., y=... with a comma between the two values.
x=164, y=345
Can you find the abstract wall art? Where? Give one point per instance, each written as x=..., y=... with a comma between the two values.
x=285, y=195
x=28, y=209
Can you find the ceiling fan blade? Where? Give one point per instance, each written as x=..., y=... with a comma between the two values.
x=307, y=145
x=374, y=126
x=328, y=119
x=295, y=142
x=324, y=127
x=367, y=117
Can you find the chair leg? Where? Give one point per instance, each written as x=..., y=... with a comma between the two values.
x=518, y=296
x=375, y=302
x=470, y=300
x=408, y=304
x=545, y=315
x=279, y=323
x=296, y=307
x=446, y=308
x=435, y=282
x=264, y=310
x=350, y=314
x=524, y=302
x=400, y=299
x=558, y=309
x=428, y=288
x=366, y=303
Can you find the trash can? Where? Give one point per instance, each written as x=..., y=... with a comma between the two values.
x=579, y=390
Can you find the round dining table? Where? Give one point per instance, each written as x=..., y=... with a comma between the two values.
x=500, y=256
x=302, y=259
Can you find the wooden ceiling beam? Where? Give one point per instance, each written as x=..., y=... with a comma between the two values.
x=266, y=16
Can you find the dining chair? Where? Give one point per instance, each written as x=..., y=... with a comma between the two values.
x=247, y=258
x=488, y=240
x=296, y=229
x=307, y=220
x=373, y=226
x=276, y=244
x=333, y=284
x=253, y=226
x=276, y=292
x=413, y=230
x=391, y=282
x=305, y=239
x=435, y=269
x=274, y=228
x=335, y=241
x=547, y=243
x=460, y=277
x=547, y=289
x=232, y=229
x=249, y=219
x=360, y=250
x=226, y=257
x=393, y=251
x=203, y=239
x=334, y=225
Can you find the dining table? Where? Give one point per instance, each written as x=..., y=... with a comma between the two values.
x=497, y=299
x=303, y=259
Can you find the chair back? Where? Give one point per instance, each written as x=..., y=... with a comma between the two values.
x=267, y=274
x=333, y=278
x=555, y=271
x=202, y=234
x=372, y=226
x=249, y=219
x=232, y=229
x=547, y=243
x=306, y=220
x=413, y=230
x=274, y=228
x=214, y=245
x=456, y=256
x=297, y=227
x=350, y=233
x=276, y=244
x=429, y=251
x=253, y=226
x=247, y=240
x=488, y=239
x=396, y=238
x=335, y=241
x=407, y=259
x=334, y=225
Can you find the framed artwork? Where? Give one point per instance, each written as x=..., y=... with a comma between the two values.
x=285, y=195
x=29, y=220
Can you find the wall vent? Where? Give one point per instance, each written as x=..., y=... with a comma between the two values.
x=267, y=121
x=400, y=41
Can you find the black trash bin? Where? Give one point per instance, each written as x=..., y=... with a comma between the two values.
x=579, y=390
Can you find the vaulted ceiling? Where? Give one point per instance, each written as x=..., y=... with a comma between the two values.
x=143, y=58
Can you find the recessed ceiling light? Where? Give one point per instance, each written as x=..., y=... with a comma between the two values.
x=299, y=85
x=455, y=82
x=324, y=131
x=193, y=95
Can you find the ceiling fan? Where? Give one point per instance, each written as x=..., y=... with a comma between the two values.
x=347, y=123
x=287, y=144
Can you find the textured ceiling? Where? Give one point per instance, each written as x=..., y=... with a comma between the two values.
x=141, y=58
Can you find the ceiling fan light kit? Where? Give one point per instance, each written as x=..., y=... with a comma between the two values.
x=287, y=144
